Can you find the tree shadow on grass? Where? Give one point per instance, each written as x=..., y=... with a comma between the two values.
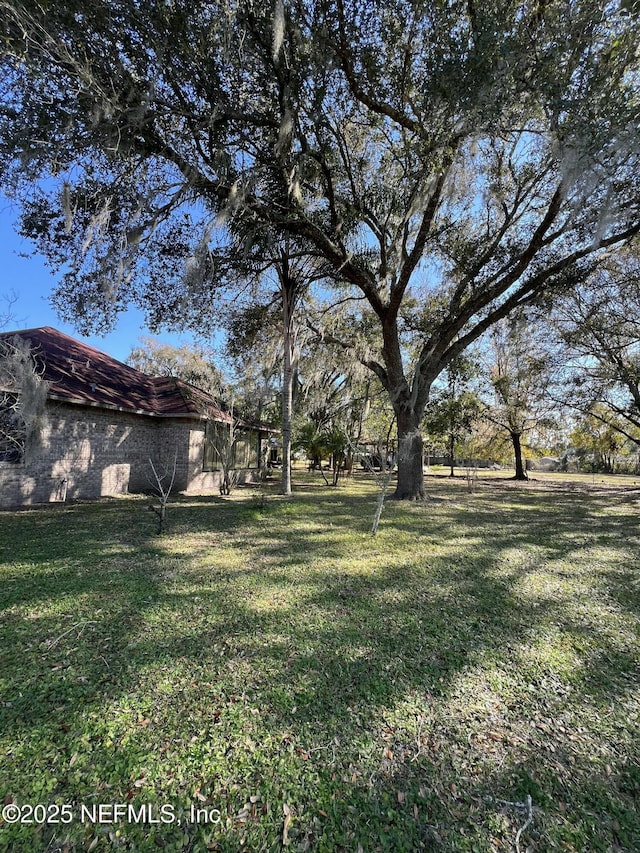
x=392, y=701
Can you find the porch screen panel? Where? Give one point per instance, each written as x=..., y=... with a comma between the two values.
x=215, y=436
x=245, y=450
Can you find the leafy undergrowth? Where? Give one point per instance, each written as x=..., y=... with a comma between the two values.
x=466, y=681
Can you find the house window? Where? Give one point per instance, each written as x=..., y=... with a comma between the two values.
x=13, y=432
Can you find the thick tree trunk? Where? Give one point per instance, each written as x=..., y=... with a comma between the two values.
x=452, y=450
x=287, y=401
x=410, y=485
x=521, y=474
x=338, y=462
x=408, y=404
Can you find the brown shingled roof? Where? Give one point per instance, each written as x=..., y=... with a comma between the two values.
x=78, y=373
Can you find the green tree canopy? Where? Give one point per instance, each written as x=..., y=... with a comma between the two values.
x=454, y=407
x=521, y=362
x=600, y=326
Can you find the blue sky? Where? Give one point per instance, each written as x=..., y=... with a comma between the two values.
x=32, y=283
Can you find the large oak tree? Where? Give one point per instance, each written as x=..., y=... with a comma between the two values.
x=452, y=161
x=521, y=361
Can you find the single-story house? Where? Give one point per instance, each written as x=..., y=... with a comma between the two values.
x=104, y=422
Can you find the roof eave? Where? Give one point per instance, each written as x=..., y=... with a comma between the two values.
x=192, y=416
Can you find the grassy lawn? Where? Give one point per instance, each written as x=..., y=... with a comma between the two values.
x=311, y=688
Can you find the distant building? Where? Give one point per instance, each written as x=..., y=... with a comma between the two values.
x=106, y=420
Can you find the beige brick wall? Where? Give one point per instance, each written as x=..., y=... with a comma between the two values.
x=95, y=452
